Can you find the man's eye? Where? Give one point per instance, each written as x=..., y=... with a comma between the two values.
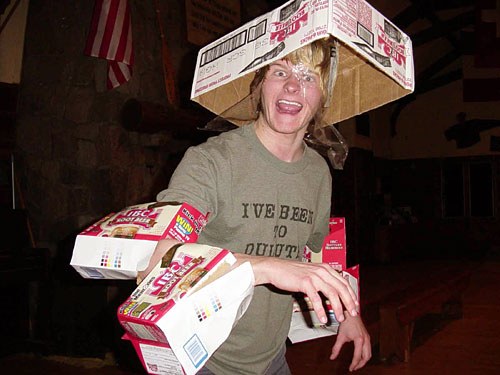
x=309, y=78
x=280, y=73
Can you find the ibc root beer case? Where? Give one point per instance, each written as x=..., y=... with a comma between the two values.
x=185, y=308
x=120, y=244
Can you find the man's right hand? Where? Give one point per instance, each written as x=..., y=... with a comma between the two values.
x=308, y=278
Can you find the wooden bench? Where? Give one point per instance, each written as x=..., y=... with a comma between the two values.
x=438, y=293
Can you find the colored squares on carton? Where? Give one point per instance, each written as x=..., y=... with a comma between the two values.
x=105, y=259
x=118, y=260
x=108, y=261
x=204, y=311
x=216, y=305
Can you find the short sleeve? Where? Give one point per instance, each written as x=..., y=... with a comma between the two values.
x=194, y=182
x=320, y=230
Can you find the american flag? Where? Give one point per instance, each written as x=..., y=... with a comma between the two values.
x=110, y=38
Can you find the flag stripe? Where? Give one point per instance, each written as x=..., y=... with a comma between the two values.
x=112, y=80
x=110, y=37
x=123, y=41
x=129, y=51
x=93, y=28
x=109, y=29
x=118, y=31
x=100, y=28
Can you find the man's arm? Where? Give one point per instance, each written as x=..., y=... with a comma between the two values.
x=308, y=278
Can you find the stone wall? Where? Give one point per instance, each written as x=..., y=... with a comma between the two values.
x=76, y=161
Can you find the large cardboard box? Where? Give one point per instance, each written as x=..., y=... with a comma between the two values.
x=120, y=244
x=375, y=57
x=186, y=307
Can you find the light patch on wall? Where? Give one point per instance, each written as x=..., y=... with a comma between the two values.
x=12, y=42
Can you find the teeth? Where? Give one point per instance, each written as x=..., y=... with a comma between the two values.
x=283, y=101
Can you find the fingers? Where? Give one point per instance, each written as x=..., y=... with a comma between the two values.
x=357, y=356
x=362, y=353
x=337, y=289
x=367, y=353
x=312, y=293
x=337, y=347
x=337, y=308
x=359, y=362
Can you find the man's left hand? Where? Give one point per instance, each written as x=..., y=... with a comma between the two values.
x=353, y=329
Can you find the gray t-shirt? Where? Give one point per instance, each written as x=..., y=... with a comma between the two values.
x=258, y=205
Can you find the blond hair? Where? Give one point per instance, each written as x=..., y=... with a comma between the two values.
x=315, y=56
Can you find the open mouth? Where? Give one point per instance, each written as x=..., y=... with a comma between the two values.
x=288, y=107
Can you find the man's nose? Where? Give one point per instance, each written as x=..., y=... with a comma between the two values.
x=292, y=84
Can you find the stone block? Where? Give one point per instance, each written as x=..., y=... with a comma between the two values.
x=64, y=147
x=84, y=71
x=152, y=86
x=79, y=103
x=101, y=201
x=33, y=136
x=88, y=131
x=71, y=174
x=86, y=154
x=78, y=201
x=85, y=221
x=59, y=229
x=114, y=142
x=106, y=106
x=51, y=170
x=136, y=188
x=119, y=187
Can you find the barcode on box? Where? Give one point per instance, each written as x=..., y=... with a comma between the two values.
x=224, y=48
x=257, y=31
x=93, y=273
x=365, y=34
x=195, y=351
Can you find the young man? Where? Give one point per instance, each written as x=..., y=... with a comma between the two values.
x=268, y=196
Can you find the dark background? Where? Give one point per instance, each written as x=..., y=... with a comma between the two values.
x=75, y=162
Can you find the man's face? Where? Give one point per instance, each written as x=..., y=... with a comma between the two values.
x=290, y=97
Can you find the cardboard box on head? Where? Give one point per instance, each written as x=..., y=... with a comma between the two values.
x=375, y=57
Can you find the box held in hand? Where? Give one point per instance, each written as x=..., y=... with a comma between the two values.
x=120, y=244
x=186, y=307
